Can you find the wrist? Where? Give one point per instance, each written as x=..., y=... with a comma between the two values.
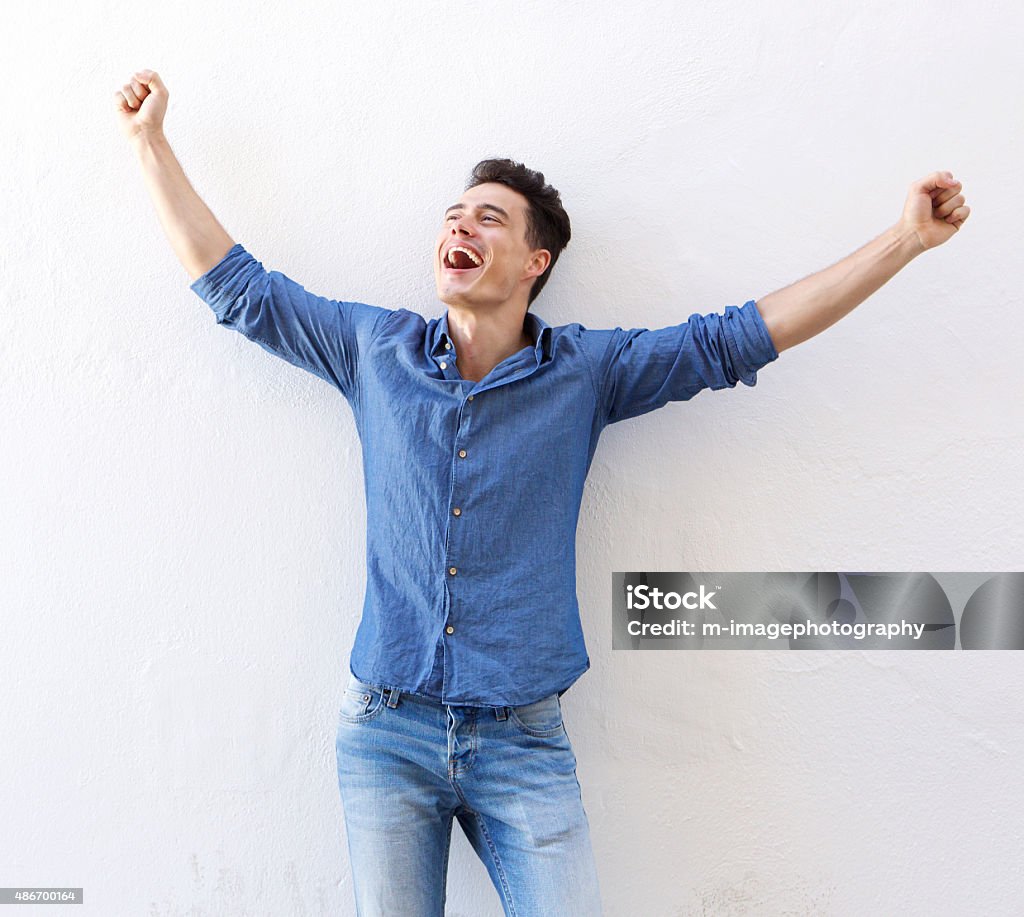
x=148, y=138
x=907, y=241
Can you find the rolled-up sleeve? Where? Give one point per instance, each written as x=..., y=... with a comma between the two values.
x=638, y=370
x=323, y=336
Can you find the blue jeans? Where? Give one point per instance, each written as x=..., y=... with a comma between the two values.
x=407, y=764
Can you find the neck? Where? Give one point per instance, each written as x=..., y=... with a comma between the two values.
x=483, y=340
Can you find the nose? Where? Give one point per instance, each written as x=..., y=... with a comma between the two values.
x=457, y=226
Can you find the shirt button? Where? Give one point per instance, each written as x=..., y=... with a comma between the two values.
x=448, y=345
x=470, y=397
x=462, y=453
x=449, y=629
x=444, y=365
x=457, y=511
x=451, y=570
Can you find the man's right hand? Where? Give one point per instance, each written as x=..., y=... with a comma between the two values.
x=141, y=105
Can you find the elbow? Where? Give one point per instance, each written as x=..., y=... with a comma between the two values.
x=779, y=332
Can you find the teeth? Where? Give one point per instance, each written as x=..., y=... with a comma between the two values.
x=473, y=256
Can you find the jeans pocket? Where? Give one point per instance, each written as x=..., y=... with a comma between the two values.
x=361, y=701
x=542, y=718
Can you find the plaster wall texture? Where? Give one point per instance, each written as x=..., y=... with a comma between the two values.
x=181, y=514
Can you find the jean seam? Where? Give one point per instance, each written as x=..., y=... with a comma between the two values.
x=444, y=868
x=497, y=864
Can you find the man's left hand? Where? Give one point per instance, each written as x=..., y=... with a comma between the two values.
x=935, y=209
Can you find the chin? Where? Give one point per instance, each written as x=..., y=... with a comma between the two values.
x=450, y=296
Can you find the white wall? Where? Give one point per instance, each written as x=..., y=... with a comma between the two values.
x=181, y=514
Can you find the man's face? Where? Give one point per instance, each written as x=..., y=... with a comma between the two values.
x=489, y=220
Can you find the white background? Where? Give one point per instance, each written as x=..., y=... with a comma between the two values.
x=181, y=514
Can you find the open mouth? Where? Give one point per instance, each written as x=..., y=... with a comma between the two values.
x=459, y=260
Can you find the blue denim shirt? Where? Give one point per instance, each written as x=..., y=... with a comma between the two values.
x=473, y=489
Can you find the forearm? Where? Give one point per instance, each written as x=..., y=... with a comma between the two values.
x=198, y=240
x=808, y=307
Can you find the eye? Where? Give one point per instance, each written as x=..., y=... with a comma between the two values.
x=451, y=216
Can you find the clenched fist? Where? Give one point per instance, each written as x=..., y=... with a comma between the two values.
x=141, y=104
x=935, y=209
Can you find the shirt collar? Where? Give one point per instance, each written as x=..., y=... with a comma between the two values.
x=538, y=329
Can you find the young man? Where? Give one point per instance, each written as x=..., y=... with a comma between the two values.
x=478, y=430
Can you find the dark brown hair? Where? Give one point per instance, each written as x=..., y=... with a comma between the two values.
x=547, y=223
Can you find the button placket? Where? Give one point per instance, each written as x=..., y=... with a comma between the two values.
x=446, y=357
x=456, y=510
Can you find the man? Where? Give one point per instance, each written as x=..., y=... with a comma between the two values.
x=478, y=430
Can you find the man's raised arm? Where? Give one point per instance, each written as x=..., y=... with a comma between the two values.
x=197, y=238
x=934, y=211
x=327, y=337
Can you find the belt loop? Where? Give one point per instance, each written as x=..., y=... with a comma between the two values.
x=501, y=713
x=394, y=694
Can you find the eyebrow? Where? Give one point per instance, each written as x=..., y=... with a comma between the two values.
x=493, y=207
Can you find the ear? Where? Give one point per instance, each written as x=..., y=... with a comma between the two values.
x=540, y=260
